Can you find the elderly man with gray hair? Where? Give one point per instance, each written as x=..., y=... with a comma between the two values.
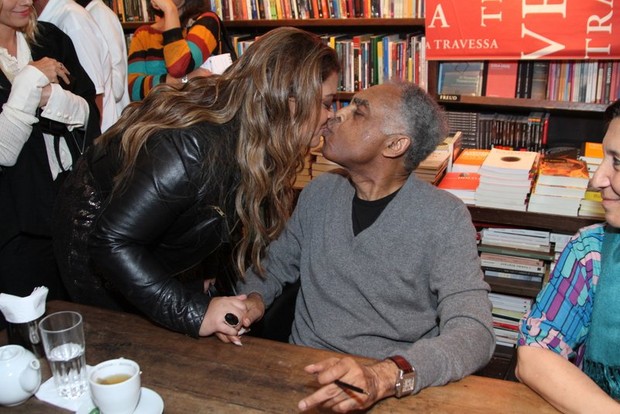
x=388, y=263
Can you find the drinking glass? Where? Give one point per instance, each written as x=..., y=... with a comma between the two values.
x=63, y=340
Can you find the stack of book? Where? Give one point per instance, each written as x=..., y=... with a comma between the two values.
x=592, y=155
x=517, y=238
x=504, y=251
x=559, y=242
x=453, y=144
x=461, y=184
x=433, y=167
x=503, y=266
x=470, y=160
x=507, y=312
x=506, y=179
x=591, y=204
x=560, y=186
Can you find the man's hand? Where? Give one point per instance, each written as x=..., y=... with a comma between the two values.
x=377, y=381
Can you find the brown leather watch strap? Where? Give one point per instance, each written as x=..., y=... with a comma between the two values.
x=401, y=363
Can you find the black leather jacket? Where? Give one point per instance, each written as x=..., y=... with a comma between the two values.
x=168, y=219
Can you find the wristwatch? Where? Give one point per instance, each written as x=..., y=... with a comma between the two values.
x=405, y=383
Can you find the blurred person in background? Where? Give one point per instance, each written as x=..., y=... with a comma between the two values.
x=172, y=49
x=48, y=118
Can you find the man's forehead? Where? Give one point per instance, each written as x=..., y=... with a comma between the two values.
x=376, y=97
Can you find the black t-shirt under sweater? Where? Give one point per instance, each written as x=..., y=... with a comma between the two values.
x=365, y=212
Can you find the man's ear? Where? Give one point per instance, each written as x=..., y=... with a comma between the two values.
x=396, y=146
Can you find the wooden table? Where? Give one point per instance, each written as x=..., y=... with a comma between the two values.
x=207, y=376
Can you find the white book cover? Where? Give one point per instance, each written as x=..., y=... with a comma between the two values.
x=558, y=190
x=555, y=201
x=509, y=162
x=559, y=211
x=506, y=206
x=526, y=232
x=514, y=238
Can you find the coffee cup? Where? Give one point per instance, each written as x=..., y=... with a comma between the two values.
x=115, y=386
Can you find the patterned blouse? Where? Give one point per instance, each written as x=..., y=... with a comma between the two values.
x=560, y=318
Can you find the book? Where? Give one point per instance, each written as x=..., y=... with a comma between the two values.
x=510, y=302
x=453, y=144
x=507, y=274
x=436, y=160
x=516, y=251
x=461, y=184
x=593, y=149
x=501, y=79
x=508, y=262
x=566, y=206
x=461, y=78
x=470, y=160
x=540, y=76
x=563, y=172
x=559, y=190
x=509, y=162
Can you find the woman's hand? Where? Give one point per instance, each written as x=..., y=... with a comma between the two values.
x=52, y=69
x=254, y=308
x=214, y=320
x=166, y=6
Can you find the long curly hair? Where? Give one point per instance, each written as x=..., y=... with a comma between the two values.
x=283, y=66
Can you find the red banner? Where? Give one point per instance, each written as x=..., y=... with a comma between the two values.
x=522, y=29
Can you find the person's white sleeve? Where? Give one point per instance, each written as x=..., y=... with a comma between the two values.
x=63, y=106
x=19, y=113
x=118, y=56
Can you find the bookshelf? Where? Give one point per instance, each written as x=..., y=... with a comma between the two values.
x=570, y=123
x=550, y=222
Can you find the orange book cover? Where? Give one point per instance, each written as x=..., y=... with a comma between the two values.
x=593, y=149
x=470, y=160
x=563, y=167
x=460, y=181
x=563, y=171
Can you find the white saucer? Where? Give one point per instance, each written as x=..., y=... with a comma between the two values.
x=150, y=403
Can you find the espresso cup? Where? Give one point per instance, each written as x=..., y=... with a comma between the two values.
x=115, y=386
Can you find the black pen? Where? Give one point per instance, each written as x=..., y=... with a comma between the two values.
x=351, y=387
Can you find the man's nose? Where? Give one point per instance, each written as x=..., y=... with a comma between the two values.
x=333, y=121
x=342, y=114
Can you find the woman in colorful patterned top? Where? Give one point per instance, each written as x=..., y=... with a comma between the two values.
x=568, y=344
x=172, y=49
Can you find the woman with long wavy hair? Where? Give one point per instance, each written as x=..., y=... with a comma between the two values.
x=193, y=183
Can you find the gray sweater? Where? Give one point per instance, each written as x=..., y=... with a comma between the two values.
x=410, y=284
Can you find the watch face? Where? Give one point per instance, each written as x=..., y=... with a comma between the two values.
x=408, y=383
